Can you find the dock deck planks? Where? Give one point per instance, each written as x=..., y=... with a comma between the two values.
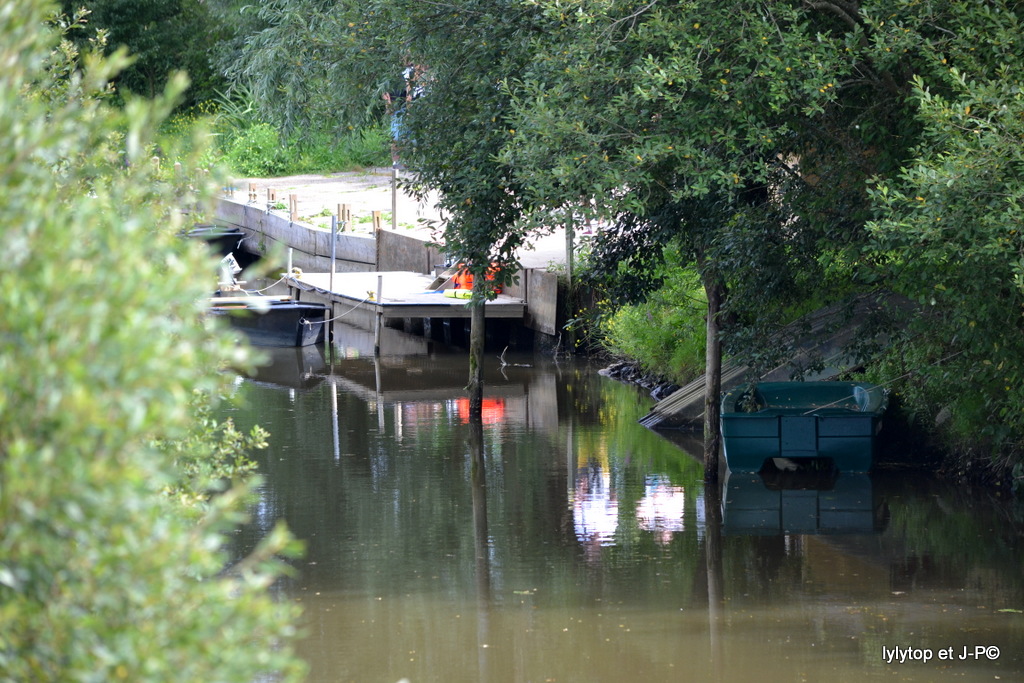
x=403, y=295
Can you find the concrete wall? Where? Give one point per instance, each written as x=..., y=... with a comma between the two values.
x=542, y=293
x=271, y=233
x=404, y=252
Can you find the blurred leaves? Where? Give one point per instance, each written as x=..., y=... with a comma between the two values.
x=104, y=347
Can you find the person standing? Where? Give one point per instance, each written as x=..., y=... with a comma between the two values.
x=396, y=103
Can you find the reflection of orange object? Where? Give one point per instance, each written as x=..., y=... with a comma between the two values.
x=464, y=279
x=492, y=410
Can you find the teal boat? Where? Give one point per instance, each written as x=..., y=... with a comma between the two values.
x=798, y=420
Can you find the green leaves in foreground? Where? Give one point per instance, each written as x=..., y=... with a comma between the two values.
x=102, y=347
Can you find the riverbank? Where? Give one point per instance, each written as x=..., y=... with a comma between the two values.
x=630, y=372
x=370, y=190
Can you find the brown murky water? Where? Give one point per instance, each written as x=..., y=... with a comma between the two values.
x=561, y=541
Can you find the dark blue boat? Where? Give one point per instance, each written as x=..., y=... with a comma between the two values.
x=273, y=321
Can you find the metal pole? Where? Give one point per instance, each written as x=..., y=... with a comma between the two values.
x=334, y=258
x=334, y=249
x=394, y=198
x=380, y=317
x=334, y=419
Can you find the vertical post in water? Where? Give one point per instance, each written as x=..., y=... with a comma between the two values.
x=334, y=249
x=334, y=259
x=570, y=249
x=334, y=419
x=394, y=197
x=380, y=317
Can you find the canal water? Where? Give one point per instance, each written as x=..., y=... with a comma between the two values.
x=561, y=541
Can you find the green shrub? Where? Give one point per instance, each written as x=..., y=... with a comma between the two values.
x=666, y=333
x=103, y=575
x=364, y=147
x=251, y=147
x=255, y=152
x=326, y=152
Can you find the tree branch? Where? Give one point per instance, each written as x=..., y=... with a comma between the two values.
x=844, y=11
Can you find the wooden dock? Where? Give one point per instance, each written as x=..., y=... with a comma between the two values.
x=395, y=294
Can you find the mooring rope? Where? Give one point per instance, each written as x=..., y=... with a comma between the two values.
x=884, y=384
x=260, y=291
x=340, y=315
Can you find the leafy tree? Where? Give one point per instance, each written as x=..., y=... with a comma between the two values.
x=311, y=64
x=712, y=126
x=337, y=59
x=102, y=574
x=948, y=227
x=748, y=133
x=163, y=36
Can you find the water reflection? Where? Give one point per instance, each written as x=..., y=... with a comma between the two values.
x=595, y=509
x=662, y=508
x=559, y=540
x=782, y=502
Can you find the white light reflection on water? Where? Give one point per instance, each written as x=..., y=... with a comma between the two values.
x=595, y=511
x=662, y=508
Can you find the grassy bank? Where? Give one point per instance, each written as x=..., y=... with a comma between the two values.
x=247, y=146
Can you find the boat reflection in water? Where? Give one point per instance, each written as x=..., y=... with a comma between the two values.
x=821, y=501
x=294, y=367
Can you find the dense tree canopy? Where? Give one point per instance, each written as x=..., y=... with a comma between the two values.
x=948, y=226
x=163, y=36
x=765, y=137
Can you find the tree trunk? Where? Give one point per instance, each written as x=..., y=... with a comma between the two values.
x=570, y=250
x=476, y=346
x=712, y=379
x=716, y=576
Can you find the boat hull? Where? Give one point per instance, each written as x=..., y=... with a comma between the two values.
x=277, y=323
x=801, y=420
